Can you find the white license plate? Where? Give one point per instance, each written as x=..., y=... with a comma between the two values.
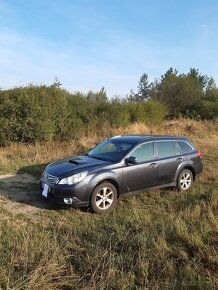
x=45, y=190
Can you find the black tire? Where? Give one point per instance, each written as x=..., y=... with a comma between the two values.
x=40, y=185
x=185, y=180
x=104, y=197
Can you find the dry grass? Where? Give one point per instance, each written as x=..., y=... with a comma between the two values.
x=159, y=240
x=202, y=133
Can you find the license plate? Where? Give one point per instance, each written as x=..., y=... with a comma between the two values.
x=45, y=190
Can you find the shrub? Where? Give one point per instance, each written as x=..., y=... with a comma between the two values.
x=205, y=109
x=45, y=113
x=147, y=112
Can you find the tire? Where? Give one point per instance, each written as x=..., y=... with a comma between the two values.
x=185, y=180
x=104, y=198
x=40, y=185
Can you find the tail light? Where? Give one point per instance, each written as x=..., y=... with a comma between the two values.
x=198, y=154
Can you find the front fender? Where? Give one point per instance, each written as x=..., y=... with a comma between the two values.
x=105, y=175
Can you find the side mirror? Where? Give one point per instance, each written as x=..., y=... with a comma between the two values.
x=131, y=160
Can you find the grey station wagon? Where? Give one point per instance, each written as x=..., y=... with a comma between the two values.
x=122, y=165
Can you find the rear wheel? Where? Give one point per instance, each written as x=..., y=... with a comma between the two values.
x=185, y=180
x=104, y=197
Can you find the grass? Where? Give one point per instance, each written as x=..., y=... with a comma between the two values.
x=156, y=240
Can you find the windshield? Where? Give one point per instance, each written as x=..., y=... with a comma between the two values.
x=110, y=150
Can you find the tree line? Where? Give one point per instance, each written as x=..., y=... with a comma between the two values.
x=191, y=95
x=43, y=113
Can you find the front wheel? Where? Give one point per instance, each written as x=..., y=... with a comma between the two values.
x=104, y=197
x=185, y=180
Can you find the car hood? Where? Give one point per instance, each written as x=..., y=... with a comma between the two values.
x=73, y=165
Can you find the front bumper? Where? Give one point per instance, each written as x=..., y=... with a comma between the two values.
x=77, y=194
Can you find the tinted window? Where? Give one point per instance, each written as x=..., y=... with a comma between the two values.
x=111, y=150
x=177, y=148
x=184, y=147
x=165, y=149
x=144, y=152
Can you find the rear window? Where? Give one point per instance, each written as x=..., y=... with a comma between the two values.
x=165, y=149
x=184, y=147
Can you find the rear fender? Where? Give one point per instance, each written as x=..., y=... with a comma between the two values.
x=181, y=167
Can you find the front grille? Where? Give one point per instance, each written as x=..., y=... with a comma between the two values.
x=50, y=179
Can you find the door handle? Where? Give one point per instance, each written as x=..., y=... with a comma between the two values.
x=179, y=159
x=153, y=164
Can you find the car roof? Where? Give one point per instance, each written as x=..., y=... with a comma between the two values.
x=134, y=139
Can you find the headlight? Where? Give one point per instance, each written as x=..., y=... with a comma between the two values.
x=73, y=179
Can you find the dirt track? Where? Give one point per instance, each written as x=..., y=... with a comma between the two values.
x=20, y=194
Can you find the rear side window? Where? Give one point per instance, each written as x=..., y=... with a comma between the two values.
x=165, y=149
x=184, y=147
x=177, y=148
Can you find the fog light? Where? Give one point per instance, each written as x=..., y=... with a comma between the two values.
x=68, y=200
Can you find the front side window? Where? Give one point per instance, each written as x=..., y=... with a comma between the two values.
x=110, y=150
x=165, y=149
x=144, y=152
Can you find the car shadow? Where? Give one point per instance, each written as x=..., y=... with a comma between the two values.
x=23, y=188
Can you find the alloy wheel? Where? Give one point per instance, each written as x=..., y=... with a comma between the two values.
x=104, y=198
x=185, y=180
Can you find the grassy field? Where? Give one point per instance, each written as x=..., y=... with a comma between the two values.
x=156, y=240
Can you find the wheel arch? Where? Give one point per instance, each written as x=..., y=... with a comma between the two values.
x=186, y=166
x=110, y=180
x=191, y=169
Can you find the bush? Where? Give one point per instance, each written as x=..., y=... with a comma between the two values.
x=205, y=109
x=147, y=112
x=34, y=114
x=155, y=112
x=44, y=113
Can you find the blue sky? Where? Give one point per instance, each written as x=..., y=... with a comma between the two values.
x=110, y=43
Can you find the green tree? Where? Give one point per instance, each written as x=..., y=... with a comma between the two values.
x=179, y=92
x=201, y=80
x=131, y=98
x=97, y=97
x=211, y=93
x=143, y=88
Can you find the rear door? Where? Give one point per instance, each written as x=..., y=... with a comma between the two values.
x=167, y=161
x=143, y=174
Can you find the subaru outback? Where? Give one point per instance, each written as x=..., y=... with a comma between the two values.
x=120, y=166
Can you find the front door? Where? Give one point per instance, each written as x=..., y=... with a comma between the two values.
x=143, y=174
